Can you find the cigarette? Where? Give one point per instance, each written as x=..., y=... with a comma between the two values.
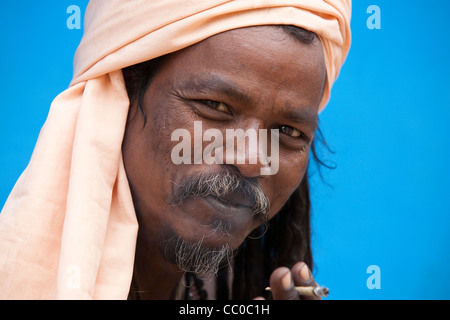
x=310, y=291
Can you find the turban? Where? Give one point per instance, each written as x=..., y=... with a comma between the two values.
x=68, y=229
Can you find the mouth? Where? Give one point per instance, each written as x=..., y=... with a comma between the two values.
x=225, y=220
x=219, y=207
x=218, y=219
x=229, y=206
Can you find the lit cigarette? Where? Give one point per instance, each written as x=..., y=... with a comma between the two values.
x=310, y=291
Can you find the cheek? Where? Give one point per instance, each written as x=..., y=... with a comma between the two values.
x=147, y=151
x=291, y=172
x=142, y=165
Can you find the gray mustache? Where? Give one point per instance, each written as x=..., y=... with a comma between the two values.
x=221, y=184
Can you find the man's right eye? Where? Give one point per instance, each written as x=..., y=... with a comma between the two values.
x=219, y=106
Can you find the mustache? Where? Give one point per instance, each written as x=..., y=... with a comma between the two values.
x=227, y=182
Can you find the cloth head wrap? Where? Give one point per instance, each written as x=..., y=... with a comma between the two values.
x=68, y=229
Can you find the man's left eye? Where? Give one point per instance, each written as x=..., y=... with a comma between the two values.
x=219, y=106
x=290, y=131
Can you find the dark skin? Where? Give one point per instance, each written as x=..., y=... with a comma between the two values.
x=257, y=77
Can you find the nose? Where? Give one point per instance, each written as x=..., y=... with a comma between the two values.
x=247, y=150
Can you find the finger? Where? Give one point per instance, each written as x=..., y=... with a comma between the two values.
x=302, y=276
x=282, y=285
x=259, y=298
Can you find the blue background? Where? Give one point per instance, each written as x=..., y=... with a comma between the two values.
x=387, y=202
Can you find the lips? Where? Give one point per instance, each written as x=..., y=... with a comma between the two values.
x=215, y=220
x=231, y=205
x=237, y=199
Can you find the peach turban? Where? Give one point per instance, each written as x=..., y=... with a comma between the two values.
x=68, y=229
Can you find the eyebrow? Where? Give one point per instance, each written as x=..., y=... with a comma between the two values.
x=303, y=116
x=213, y=82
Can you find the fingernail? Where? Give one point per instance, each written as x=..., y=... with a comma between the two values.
x=305, y=273
x=286, y=281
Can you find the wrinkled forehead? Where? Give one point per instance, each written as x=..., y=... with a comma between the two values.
x=253, y=60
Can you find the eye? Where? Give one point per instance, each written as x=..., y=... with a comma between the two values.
x=290, y=131
x=219, y=106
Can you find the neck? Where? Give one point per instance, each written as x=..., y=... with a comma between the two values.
x=154, y=278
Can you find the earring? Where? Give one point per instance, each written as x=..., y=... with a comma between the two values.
x=266, y=227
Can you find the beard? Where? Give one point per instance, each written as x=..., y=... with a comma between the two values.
x=197, y=258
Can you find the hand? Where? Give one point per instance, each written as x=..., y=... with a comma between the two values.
x=283, y=281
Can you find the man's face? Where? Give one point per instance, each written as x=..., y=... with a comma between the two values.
x=249, y=78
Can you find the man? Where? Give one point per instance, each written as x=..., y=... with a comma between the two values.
x=104, y=162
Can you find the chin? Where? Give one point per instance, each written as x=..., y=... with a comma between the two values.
x=198, y=222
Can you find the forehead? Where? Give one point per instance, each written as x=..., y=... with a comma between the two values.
x=259, y=60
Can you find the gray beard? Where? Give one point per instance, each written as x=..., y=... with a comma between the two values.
x=198, y=259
